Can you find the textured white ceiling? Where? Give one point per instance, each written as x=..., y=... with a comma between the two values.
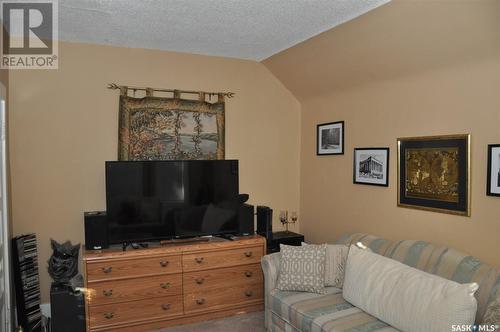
x=247, y=29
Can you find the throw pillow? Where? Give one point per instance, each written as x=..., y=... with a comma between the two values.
x=407, y=298
x=302, y=269
x=336, y=256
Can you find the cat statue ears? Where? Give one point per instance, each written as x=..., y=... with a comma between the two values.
x=65, y=249
x=63, y=264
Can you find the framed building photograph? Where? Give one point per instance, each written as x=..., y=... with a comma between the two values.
x=371, y=166
x=330, y=138
x=493, y=181
x=434, y=173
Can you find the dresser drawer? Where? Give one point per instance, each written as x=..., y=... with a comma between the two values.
x=224, y=277
x=105, y=292
x=218, y=259
x=223, y=297
x=137, y=310
x=117, y=269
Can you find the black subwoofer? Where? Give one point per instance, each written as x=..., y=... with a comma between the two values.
x=67, y=309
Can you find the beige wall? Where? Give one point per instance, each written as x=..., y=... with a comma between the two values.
x=64, y=126
x=409, y=68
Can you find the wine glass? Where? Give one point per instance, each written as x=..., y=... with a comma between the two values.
x=284, y=218
x=294, y=216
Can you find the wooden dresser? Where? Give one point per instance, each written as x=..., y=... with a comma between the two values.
x=157, y=287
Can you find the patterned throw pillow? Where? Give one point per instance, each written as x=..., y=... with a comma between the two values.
x=336, y=257
x=302, y=268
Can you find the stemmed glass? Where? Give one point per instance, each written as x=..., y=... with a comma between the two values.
x=284, y=219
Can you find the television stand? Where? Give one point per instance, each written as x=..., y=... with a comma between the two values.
x=163, y=286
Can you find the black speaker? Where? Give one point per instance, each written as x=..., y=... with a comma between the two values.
x=96, y=230
x=246, y=219
x=265, y=221
x=67, y=309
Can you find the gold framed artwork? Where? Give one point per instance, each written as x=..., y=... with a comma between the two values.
x=434, y=173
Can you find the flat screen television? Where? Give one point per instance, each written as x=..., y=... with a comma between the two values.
x=154, y=200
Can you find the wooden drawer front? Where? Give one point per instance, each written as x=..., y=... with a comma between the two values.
x=220, y=278
x=109, y=314
x=116, y=269
x=223, y=297
x=106, y=292
x=217, y=259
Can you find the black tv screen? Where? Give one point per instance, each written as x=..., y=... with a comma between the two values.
x=151, y=200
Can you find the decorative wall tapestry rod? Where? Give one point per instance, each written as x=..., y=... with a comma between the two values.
x=149, y=91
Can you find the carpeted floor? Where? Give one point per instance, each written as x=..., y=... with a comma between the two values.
x=252, y=322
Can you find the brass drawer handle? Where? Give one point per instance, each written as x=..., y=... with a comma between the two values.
x=107, y=292
x=248, y=254
x=248, y=274
x=199, y=281
x=200, y=301
x=165, y=306
x=248, y=293
x=165, y=285
x=107, y=269
x=164, y=263
x=109, y=315
x=199, y=260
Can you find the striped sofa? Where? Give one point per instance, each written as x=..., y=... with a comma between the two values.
x=300, y=311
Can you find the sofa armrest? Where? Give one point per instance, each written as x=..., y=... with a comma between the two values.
x=492, y=314
x=270, y=267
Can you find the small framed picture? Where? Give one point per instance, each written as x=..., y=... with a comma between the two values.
x=493, y=182
x=330, y=138
x=371, y=166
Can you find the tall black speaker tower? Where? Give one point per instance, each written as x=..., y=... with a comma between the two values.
x=96, y=230
x=265, y=221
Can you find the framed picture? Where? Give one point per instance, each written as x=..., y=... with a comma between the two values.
x=434, y=173
x=493, y=182
x=371, y=166
x=330, y=138
x=161, y=128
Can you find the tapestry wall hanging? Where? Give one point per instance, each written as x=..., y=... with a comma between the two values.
x=434, y=173
x=170, y=127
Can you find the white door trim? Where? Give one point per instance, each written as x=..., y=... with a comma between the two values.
x=4, y=212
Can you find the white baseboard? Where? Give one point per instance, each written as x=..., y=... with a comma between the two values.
x=45, y=308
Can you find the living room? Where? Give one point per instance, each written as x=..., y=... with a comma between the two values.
x=383, y=77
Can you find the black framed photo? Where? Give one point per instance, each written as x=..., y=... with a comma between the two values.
x=434, y=173
x=493, y=181
x=330, y=138
x=371, y=166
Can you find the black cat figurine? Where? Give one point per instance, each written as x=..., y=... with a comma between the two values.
x=63, y=264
